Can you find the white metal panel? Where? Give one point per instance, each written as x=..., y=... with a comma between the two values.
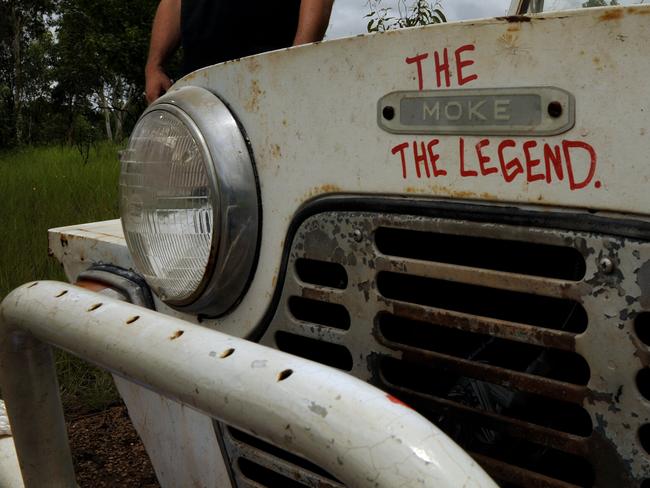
x=181, y=442
x=10, y=476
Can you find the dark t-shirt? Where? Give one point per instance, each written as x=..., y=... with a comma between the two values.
x=213, y=31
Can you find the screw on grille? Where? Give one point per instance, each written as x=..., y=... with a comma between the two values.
x=606, y=265
x=357, y=235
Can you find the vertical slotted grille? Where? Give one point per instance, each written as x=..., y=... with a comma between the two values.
x=513, y=340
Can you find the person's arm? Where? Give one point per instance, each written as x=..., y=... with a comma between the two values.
x=165, y=38
x=313, y=20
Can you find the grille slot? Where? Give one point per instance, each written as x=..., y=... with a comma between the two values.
x=397, y=332
x=643, y=382
x=259, y=464
x=323, y=273
x=642, y=327
x=482, y=301
x=318, y=312
x=269, y=477
x=511, y=339
x=333, y=355
x=446, y=390
x=246, y=439
x=511, y=256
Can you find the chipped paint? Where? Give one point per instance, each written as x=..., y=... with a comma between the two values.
x=605, y=346
x=643, y=280
x=515, y=18
x=613, y=14
x=318, y=409
x=393, y=399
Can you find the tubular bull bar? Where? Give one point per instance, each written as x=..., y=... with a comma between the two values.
x=360, y=434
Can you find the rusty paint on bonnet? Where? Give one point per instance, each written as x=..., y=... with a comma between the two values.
x=515, y=18
x=255, y=92
x=638, y=11
x=614, y=14
x=276, y=151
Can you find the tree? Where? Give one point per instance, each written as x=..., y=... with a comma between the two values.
x=102, y=53
x=420, y=12
x=22, y=23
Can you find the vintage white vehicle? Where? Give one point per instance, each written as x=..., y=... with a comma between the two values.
x=454, y=216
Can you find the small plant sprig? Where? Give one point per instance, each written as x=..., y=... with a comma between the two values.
x=420, y=12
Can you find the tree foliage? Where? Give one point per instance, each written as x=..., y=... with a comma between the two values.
x=418, y=12
x=71, y=70
x=23, y=25
x=104, y=45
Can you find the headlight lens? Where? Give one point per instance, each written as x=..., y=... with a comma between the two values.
x=167, y=202
x=189, y=202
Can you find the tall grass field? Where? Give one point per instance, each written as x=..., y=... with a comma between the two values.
x=47, y=187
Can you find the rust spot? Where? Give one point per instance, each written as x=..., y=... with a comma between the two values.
x=329, y=188
x=464, y=194
x=611, y=15
x=64, y=241
x=514, y=28
x=176, y=335
x=252, y=105
x=392, y=399
x=91, y=285
x=253, y=65
x=509, y=40
x=326, y=188
x=515, y=18
x=596, y=60
x=638, y=11
x=274, y=281
x=276, y=152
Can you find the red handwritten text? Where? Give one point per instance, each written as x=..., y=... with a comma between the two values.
x=441, y=67
x=573, y=162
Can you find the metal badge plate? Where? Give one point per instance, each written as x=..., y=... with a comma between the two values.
x=542, y=111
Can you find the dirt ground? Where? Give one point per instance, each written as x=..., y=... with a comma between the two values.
x=107, y=451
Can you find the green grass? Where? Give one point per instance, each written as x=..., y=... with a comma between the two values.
x=47, y=187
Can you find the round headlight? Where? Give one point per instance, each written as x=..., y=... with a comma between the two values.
x=188, y=202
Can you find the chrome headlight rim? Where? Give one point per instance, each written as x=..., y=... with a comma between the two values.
x=234, y=197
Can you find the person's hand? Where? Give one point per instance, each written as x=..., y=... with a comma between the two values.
x=156, y=83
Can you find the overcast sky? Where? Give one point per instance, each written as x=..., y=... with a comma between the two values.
x=348, y=15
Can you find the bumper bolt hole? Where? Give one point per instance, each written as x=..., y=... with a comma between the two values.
x=283, y=375
x=226, y=353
